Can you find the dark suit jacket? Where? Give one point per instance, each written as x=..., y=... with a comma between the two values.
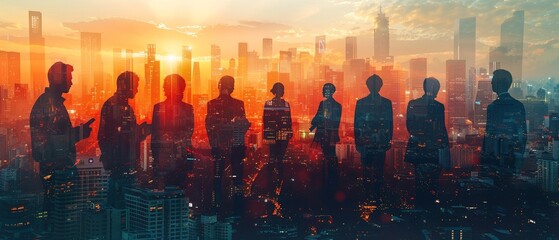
x=119, y=135
x=327, y=122
x=277, y=121
x=426, y=126
x=505, y=136
x=373, y=124
x=171, y=135
x=226, y=122
x=53, y=138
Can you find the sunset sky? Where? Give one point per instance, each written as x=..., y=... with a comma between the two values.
x=418, y=28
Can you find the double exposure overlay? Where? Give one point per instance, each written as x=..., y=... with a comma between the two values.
x=335, y=119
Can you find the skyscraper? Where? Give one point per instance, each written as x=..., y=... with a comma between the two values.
x=456, y=90
x=418, y=73
x=510, y=52
x=122, y=61
x=319, y=49
x=152, y=74
x=215, y=70
x=484, y=97
x=196, y=80
x=382, y=40
x=465, y=49
x=267, y=48
x=548, y=173
x=350, y=48
x=92, y=66
x=37, y=53
x=10, y=68
x=242, y=70
x=162, y=214
x=186, y=71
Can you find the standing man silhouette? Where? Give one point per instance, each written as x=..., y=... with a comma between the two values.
x=171, y=139
x=505, y=137
x=53, y=141
x=327, y=122
x=373, y=123
x=277, y=129
x=120, y=137
x=226, y=125
x=428, y=136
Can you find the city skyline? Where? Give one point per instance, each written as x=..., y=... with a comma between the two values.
x=170, y=32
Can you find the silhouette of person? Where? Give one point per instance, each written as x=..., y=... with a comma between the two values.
x=428, y=136
x=277, y=129
x=505, y=137
x=226, y=126
x=120, y=137
x=373, y=135
x=327, y=122
x=53, y=140
x=172, y=128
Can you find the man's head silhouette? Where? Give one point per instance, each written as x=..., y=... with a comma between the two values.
x=174, y=86
x=328, y=90
x=60, y=77
x=226, y=84
x=502, y=79
x=127, y=84
x=278, y=89
x=431, y=87
x=374, y=83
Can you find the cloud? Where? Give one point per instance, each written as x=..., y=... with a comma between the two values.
x=433, y=19
x=9, y=26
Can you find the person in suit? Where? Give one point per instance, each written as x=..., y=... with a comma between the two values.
x=373, y=135
x=428, y=137
x=53, y=145
x=119, y=138
x=505, y=137
x=277, y=129
x=171, y=135
x=226, y=126
x=327, y=122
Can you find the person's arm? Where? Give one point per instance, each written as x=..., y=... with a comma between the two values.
x=410, y=118
x=522, y=134
x=358, y=124
x=39, y=124
x=442, y=128
x=289, y=121
x=318, y=117
x=487, y=145
x=155, y=130
x=189, y=125
x=389, y=124
x=103, y=135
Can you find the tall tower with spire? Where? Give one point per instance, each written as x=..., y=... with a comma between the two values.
x=382, y=40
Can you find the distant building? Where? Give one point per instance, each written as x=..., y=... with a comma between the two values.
x=163, y=214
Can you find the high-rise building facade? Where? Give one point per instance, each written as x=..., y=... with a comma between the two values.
x=153, y=77
x=465, y=49
x=186, y=71
x=382, y=40
x=350, y=48
x=456, y=90
x=92, y=66
x=37, y=53
x=267, y=48
x=122, y=61
x=215, y=66
x=162, y=214
x=10, y=68
x=510, y=52
x=418, y=73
